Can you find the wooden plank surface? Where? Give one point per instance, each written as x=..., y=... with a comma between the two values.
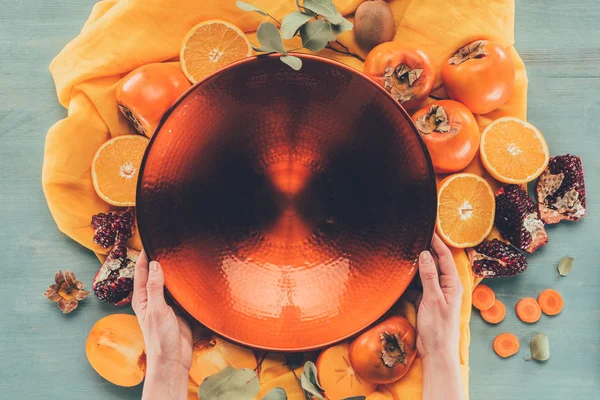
x=43, y=352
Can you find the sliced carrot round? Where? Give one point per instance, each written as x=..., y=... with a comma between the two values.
x=494, y=314
x=506, y=344
x=483, y=297
x=528, y=310
x=550, y=301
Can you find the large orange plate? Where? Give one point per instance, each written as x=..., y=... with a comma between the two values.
x=287, y=208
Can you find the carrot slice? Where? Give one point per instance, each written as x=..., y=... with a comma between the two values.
x=495, y=314
x=506, y=344
x=528, y=310
x=483, y=297
x=550, y=301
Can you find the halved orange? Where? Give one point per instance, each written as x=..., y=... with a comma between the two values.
x=116, y=167
x=513, y=151
x=210, y=46
x=466, y=209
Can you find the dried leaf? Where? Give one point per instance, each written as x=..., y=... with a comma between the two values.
x=230, y=384
x=269, y=39
x=315, y=35
x=294, y=62
x=310, y=382
x=292, y=22
x=294, y=360
x=249, y=7
x=326, y=8
x=540, y=347
x=565, y=266
x=277, y=393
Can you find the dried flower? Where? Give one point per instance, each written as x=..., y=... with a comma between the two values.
x=66, y=290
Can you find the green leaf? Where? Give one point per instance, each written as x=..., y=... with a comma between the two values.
x=355, y=398
x=310, y=382
x=315, y=34
x=269, y=39
x=326, y=8
x=565, y=266
x=540, y=347
x=344, y=26
x=294, y=62
x=292, y=22
x=276, y=394
x=230, y=384
x=249, y=7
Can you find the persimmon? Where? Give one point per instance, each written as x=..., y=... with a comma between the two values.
x=450, y=132
x=528, y=310
x=481, y=75
x=115, y=349
x=550, y=301
x=407, y=74
x=384, y=353
x=337, y=377
x=147, y=92
x=211, y=354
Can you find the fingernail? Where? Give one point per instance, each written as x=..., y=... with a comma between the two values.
x=425, y=257
x=153, y=266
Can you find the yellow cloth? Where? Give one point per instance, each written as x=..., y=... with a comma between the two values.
x=122, y=35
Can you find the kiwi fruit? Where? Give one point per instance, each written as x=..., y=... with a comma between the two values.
x=373, y=24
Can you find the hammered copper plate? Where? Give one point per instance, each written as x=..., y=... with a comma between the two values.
x=287, y=208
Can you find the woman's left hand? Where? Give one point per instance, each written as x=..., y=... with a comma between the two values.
x=168, y=337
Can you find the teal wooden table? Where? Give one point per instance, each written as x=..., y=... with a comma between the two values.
x=43, y=352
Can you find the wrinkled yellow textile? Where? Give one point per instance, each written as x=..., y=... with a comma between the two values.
x=121, y=35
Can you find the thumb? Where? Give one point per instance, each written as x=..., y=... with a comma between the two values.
x=429, y=276
x=155, y=287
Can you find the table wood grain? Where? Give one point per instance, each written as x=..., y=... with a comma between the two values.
x=42, y=352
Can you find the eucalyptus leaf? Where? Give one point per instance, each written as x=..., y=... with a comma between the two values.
x=565, y=266
x=276, y=394
x=337, y=29
x=355, y=398
x=315, y=34
x=269, y=39
x=310, y=382
x=249, y=7
x=326, y=8
x=294, y=62
x=230, y=384
x=292, y=22
x=540, y=347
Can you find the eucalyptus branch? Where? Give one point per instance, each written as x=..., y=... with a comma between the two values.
x=345, y=52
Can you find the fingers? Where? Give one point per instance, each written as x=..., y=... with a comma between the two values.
x=140, y=279
x=155, y=286
x=449, y=279
x=429, y=275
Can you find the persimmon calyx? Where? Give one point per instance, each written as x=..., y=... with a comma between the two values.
x=392, y=350
x=399, y=81
x=435, y=120
x=468, y=52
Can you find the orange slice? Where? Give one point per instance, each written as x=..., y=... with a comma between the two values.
x=210, y=46
x=513, y=151
x=466, y=209
x=116, y=167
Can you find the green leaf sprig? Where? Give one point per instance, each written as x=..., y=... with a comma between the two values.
x=317, y=22
x=236, y=384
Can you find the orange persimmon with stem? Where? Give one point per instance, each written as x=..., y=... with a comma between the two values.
x=495, y=314
x=550, y=301
x=407, y=74
x=506, y=344
x=384, y=353
x=528, y=310
x=483, y=297
x=450, y=132
x=481, y=75
x=147, y=92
